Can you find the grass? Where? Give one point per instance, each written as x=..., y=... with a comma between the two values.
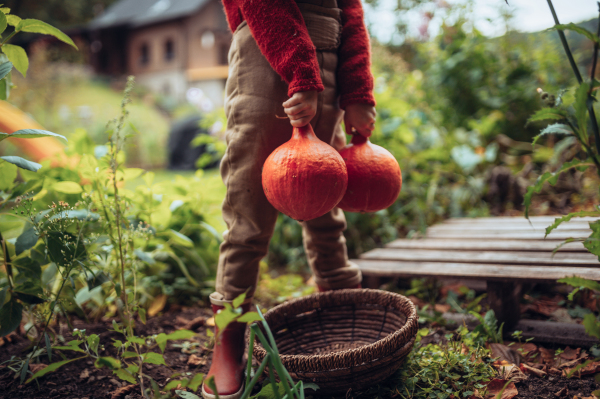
x=65, y=104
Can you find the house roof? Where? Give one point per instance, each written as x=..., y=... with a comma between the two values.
x=133, y=13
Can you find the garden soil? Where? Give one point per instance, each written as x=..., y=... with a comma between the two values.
x=82, y=380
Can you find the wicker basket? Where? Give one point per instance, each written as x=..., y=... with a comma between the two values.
x=343, y=339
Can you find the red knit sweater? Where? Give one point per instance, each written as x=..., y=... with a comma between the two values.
x=278, y=28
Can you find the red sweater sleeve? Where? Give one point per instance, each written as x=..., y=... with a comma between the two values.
x=278, y=28
x=354, y=77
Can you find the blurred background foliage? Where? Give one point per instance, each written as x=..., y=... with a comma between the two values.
x=452, y=109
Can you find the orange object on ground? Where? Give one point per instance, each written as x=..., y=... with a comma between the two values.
x=13, y=119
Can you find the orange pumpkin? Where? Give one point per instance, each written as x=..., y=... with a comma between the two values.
x=374, y=177
x=304, y=178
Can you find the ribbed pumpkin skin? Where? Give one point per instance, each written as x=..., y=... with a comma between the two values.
x=374, y=177
x=304, y=178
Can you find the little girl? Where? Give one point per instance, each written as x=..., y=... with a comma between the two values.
x=309, y=60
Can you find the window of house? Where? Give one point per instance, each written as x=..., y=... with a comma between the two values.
x=144, y=54
x=169, y=50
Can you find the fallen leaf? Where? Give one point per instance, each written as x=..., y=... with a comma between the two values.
x=84, y=374
x=210, y=322
x=512, y=372
x=531, y=370
x=555, y=371
x=195, y=323
x=547, y=355
x=570, y=354
x=572, y=363
x=196, y=360
x=495, y=387
x=591, y=368
x=181, y=321
x=122, y=392
x=157, y=305
x=441, y=307
x=563, y=392
x=503, y=352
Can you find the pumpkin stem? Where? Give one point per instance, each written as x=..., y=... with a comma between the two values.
x=304, y=131
x=358, y=138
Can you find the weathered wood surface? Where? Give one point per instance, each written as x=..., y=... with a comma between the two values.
x=564, y=259
x=484, y=271
x=511, y=220
x=507, y=227
x=504, y=251
x=556, y=235
x=485, y=245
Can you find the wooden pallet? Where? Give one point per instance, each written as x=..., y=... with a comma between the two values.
x=504, y=251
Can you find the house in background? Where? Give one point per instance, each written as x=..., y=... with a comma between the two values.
x=171, y=46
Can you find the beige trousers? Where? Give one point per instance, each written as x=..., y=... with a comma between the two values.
x=254, y=96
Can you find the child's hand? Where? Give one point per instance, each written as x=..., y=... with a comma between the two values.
x=361, y=117
x=301, y=107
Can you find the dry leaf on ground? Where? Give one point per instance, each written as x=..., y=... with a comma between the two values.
x=120, y=393
x=532, y=370
x=591, y=368
x=157, y=305
x=570, y=353
x=195, y=323
x=503, y=352
x=84, y=374
x=512, y=372
x=196, y=360
x=496, y=386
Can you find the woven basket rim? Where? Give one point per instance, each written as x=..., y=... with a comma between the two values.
x=377, y=349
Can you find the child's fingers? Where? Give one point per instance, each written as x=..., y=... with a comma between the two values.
x=300, y=115
x=301, y=122
x=294, y=100
x=296, y=109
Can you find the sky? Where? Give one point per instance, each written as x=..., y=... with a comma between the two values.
x=529, y=15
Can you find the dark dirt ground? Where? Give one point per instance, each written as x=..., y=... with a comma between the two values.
x=82, y=380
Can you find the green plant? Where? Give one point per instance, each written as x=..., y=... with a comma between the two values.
x=113, y=243
x=457, y=369
x=591, y=321
x=286, y=388
x=573, y=116
x=488, y=328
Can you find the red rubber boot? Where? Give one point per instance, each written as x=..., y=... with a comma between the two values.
x=227, y=363
x=328, y=289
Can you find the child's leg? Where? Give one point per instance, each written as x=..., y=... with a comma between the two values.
x=254, y=96
x=324, y=240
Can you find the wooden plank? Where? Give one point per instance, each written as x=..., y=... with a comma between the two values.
x=536, y=330
x=387, y=268
x=504, y=299
x=506, y=227
x=517, y=219
x=501, y=257
x=485, y=245
x=508, y=235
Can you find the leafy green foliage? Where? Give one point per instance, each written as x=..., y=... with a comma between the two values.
x=22, y=163
x=566, y=218
x=458, y=369
x=552, y=178
x=488, y=328
x=10, y=316
x=576, y=28
x=18, y=57
x=50, y=368
x=37, y=26
x=5, y=69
